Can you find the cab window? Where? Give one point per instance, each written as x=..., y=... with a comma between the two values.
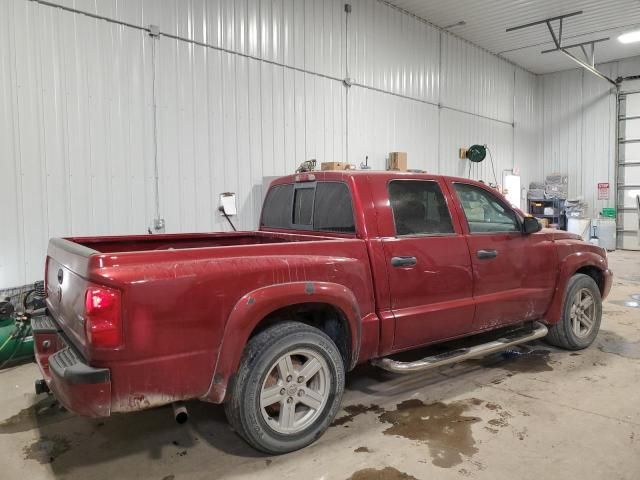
x=321, y=206
x=419, y=208
x=484, y=211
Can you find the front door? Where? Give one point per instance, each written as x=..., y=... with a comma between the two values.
x=512, y=272
x=430, y=274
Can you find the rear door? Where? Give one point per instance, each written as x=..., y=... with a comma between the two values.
x=513, y=273
x=429, y=269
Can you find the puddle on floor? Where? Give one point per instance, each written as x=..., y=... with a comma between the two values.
x=387, y=473
x=353, y=411
x=628, y=303
x=44, y=412
x=611, y=342
x=520, y=361
x=46, y=450
x=442, y=427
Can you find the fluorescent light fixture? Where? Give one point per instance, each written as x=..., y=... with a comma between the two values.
x=630, y=37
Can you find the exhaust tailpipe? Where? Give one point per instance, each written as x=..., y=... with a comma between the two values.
x=180, y=412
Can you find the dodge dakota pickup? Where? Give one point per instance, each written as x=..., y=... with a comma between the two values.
x=345, y=268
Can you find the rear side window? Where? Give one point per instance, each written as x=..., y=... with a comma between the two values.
x=419, y=208
x=333, y=211
x=321, y=206
x=276, y=212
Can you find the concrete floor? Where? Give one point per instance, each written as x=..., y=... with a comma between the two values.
x=544, y=414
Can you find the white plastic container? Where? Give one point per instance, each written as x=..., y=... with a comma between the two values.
x=548, y=211
x=605, y=230
x=579, y=226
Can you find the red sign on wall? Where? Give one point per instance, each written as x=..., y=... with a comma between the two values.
x=603, y=191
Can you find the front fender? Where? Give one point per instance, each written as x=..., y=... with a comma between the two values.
x=258, y=304
x=567, y=268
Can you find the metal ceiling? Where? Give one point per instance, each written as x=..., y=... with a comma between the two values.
x=485, y=23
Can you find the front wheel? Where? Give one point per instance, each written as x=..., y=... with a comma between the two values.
x=288, y=388
x=581, y=315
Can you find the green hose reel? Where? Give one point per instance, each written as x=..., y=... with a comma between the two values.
x=476, y=153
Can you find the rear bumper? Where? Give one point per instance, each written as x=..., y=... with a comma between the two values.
x=80, y=388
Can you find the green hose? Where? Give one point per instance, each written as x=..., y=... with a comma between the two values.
x=5, y=342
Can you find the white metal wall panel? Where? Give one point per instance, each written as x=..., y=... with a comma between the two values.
x=598, y=144
x=562, y=133
x=476, y=81
x=226, y=121
x=306, y=34
x=78, y=135
x=460, y=129
x=527, y=125
x=579, y=132
x=77, y=109
x=393, y=51
x=12, y=247
x=381, y=123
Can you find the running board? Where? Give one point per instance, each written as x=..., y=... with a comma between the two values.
x=454, y=356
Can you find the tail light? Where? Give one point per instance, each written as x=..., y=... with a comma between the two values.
x=103, y=319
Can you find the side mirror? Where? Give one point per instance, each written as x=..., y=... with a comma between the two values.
x=531, y=225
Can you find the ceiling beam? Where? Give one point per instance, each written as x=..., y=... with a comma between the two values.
x=573, y=45
x=540, y=22
x=557, y=40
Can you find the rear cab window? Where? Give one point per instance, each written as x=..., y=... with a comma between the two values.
x=318, y=206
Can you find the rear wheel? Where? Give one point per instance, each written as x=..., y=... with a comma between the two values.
x=288, y=388
x=581, y=315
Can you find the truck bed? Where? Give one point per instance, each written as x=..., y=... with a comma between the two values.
x=140, y=243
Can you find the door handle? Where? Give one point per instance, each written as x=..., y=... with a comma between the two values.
x=403, y=261
x=484, y=254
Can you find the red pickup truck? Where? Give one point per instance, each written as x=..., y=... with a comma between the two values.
x=346, y=267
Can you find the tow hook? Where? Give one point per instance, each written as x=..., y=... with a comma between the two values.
x=41, y=387
x=180, y=412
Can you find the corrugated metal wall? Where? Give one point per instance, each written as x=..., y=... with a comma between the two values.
x=252, y=89
x=579, y=132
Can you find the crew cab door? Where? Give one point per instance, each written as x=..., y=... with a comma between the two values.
x=513, y=273
x=427, y=260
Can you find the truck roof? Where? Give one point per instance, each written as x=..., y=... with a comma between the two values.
x=341, y=174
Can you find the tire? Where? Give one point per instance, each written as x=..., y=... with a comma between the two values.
x=571, y=332
x=289, y=422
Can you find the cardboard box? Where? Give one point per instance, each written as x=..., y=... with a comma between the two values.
x=397, y=161
x=336, y=166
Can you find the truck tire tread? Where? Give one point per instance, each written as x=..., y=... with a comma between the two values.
x=256, y=356
x=560, y=334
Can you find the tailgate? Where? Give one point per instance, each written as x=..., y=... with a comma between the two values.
x=66, y=264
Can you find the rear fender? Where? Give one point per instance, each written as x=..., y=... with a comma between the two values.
x=567, y=269
x=253, y=307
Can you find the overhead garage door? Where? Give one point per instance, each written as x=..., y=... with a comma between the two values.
x=628, y=184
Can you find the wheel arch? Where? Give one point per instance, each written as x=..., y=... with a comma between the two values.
x=329, y=306
x=587, y=263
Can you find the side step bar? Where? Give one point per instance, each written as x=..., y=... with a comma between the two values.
x=461, y=354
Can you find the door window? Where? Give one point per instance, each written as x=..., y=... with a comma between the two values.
x=484, y=211
x=419, y=208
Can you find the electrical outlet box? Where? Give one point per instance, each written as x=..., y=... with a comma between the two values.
x=228, y=203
